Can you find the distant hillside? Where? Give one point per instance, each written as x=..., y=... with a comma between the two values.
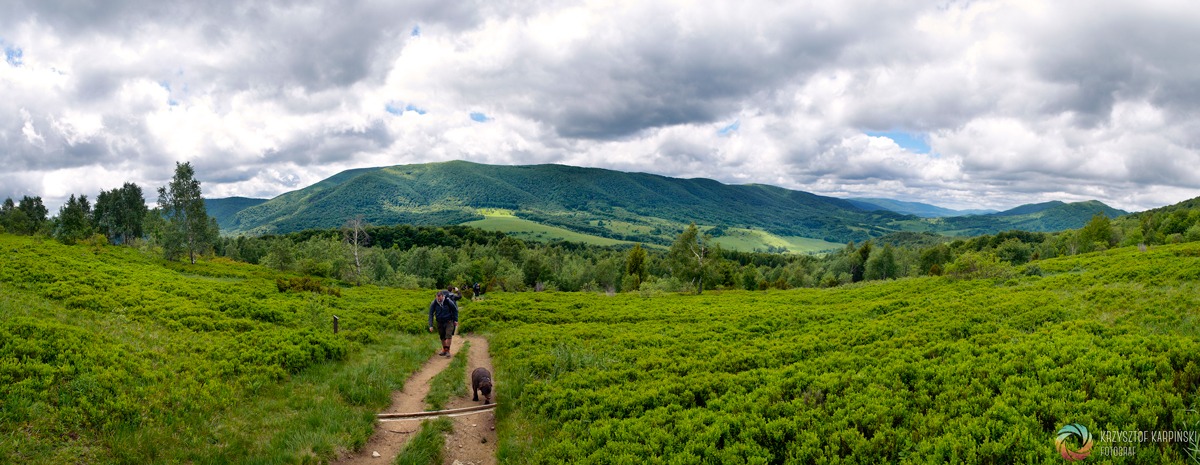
x=605, y=203
x=1171, y=223
x=1041, y=217
x=922, y=210
x=224, y=209
x=547, y=202
x=1185, y=206
x=1031, y=208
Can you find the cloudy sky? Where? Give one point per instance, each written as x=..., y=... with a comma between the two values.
x=958, y=103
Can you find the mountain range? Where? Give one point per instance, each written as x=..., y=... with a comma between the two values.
x=922, y=210
x=558, y=201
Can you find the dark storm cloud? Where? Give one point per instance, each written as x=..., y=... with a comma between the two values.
x=668, y=69
x=1016, y=98
x=1108, y=51
x=310, y=44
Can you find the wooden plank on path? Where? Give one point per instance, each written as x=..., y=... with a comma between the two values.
x=436, y=413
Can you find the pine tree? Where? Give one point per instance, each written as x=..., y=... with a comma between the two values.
x=188, y=228
x=30, y=215
x=74, y=220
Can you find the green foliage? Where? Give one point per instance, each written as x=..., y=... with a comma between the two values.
x=978, y=265
x=109, y=355
x=1014, y=252
x=305, y=284
x=476, y=256
x=188, y=229
x=74, y=220
x=27, y=217
x=920, y=370
x=882, y=265
x=693, y=258
x=120, y=213
x=449, y=382
x=1098, y=231
x=426, y=447
x=635, y=265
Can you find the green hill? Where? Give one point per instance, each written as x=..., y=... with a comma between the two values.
x=225, y=209
x=611, y=204
x=1042, y=217
x=611, y=207
x=922, y=210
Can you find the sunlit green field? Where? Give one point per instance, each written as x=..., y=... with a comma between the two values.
x=110, y=356
x=748, y=240
x=924, y=370
x=745, y=240
x=529, y=230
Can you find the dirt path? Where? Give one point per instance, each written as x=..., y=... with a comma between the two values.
x=473, y=441
x=390, y=437
x=464, y=446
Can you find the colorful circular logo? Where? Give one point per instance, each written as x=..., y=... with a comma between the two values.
x=1085, y=442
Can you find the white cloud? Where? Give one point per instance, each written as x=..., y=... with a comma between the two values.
x=1020, y=100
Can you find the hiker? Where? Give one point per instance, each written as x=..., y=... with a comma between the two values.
x=453, y=294
x=444, y=312
x=476, y=292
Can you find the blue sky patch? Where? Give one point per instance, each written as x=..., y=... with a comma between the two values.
x=14, y=55
x=479, y=117
x=167, y=85
x=732, y=128
x=912, y=141
x=396, y=109
x=416, y=31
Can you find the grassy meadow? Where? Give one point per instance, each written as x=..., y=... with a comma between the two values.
x=497, y=220
x=740, y=239
x=110, y=356
x=920, y=370
x=747, y=240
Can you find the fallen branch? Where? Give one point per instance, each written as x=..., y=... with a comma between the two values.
x=436, y=413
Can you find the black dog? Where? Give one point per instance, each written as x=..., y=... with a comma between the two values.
x=481, y=381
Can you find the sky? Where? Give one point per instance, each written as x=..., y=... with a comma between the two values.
x=963, y=104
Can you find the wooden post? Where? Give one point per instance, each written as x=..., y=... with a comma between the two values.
x=335, y=324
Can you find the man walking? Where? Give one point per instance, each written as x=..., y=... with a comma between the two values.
x=444, y=312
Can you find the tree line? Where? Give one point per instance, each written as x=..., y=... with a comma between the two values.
x=179, y=225
x=437, y=256
x=431, y=257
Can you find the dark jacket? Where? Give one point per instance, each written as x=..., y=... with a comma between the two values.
x=445, y=311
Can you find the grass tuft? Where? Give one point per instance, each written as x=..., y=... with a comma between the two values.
x=450, y=382
x=426, y=447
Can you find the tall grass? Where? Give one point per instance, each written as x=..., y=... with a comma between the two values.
x=426, y=447
x=111, y=356
x=310, y=418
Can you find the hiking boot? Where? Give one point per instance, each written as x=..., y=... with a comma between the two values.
x=444, y=353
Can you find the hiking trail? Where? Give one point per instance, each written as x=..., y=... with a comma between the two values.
x=465, y=445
